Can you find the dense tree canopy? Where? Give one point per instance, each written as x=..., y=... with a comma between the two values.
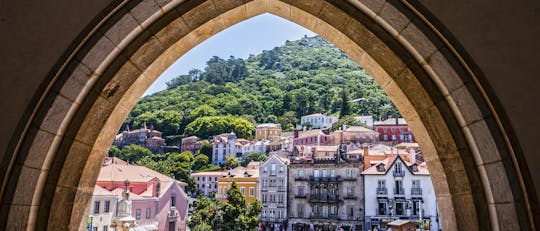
x=208, y=126
x=279, y=85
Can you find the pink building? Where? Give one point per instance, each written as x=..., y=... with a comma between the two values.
x=158, y=201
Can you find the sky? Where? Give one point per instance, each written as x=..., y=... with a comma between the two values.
x=252, y=36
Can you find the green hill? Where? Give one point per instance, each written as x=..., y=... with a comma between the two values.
x=301, y=77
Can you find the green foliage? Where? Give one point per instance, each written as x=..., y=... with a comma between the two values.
x=206, y=148
x=254, y=156
x=200, y=162
x=236, y=215
x=348, y=121
x=213, y=125
x=304, y=76
x=132, y=153
x=114, y=151
x=231, y=163
x=344, y=110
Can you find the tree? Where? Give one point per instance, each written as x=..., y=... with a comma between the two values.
x=345, y=110
x=206, y=149
x=201, y=111
x=208, y=215
x=347, y=121
x=200, y=162
x=214, y=125
x=288, y=120
x=254, y=156
x=237, y=214
x=114, y=151
x=231, y=163
x=133, y=153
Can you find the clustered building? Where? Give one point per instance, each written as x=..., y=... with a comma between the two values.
x=157, y=202
x=145, y=137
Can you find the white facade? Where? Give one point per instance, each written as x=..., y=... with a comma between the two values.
x=366, y=120
x=272, y=187
x=394, y=190
x=256, y=146
x=318, y=120
x=224, y=145
x=102, y=211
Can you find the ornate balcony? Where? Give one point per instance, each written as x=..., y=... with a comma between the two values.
x=330, y=179
x=300, y=178
x=399, y=173
x=324, y=198
x=416, y=191
x=382, y=191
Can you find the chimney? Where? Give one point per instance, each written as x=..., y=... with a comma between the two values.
x=295, y=134
x=366, y=150
x=397, y=120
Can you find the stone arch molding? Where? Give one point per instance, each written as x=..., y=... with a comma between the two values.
x=54, y=165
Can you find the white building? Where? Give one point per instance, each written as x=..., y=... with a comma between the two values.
x=395, y=189
x=224, y=145
x=318, y=120
x=207, y=182
x=102, y=209
x=273, y=193
x=366, y=120
x=254, y=146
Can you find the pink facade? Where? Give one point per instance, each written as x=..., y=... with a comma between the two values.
x=157, y=200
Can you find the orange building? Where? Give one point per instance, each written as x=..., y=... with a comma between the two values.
x=245, y=178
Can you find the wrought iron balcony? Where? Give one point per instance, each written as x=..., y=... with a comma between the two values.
x=324, y=198
x=399, y=173
x=416, y=191
x=399, y=191
x=272, y=219
x=300, y=178
x=382, y=191
x=321, y=179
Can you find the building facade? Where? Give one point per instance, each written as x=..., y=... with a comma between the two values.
x=324, y=193
x=394, y=130
x=366, y=120
x=245, y=178
x=158, y=201
x=268, y=131
x=102, y=209
x=396, y=190
x=191, y=143
x=225, y=145
x=207, y=182
x=318, y=120
x=145, y=137
x=272, y=186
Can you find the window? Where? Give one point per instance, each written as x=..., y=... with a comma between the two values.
x=393, y=129
x=381, y=184
x=107, y=206
x=265, y=169
x=325, y=211
x=251, y=191
x=324, y=173
x=301, y=173
x=300, y=190
x=173, y=201
x=333, y=173
x=349, y=172
x=148, y=213
x=273, y=169
x=350, y=191
x=280, y=198
x=96, y=207
x=393, y=137
x=385, y=137
x=280, y=168
x=243, y=191
x=138, y=214
x=105, y=228
x=416, y=183
x=398, y=167
x=385, y=129
x=401, y=129
x=351, y=211
x=316, y=173
x=333, y=210
x=300, y=210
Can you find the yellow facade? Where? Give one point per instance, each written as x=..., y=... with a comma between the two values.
x=268, y=133
x=246, y=185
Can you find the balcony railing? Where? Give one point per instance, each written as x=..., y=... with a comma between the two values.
x=399, y=191
x=350, y=197
x=300, y=178
x=416, y=191
x=282, y=189
x=324, y=216
x=300, y=195
x=399, y=173
x=272, y=219
x=281, y=205
x=324, y=198
x=382, y=191
x=325, y=179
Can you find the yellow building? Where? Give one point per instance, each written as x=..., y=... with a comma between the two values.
x=245, y=178
x=268, y=132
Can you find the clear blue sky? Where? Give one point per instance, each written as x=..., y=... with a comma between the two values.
x=252, y=36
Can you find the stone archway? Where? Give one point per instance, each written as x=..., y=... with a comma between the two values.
x=476, y=175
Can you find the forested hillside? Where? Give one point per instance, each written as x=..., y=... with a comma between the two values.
x=301, y=77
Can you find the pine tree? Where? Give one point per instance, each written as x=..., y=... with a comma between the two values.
x=345, y=110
